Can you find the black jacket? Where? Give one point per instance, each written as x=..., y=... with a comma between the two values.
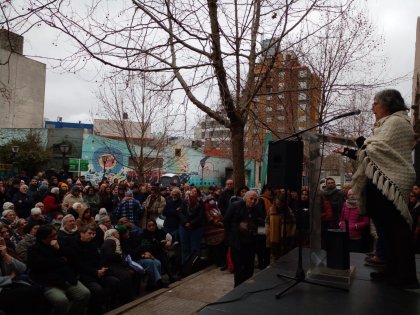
x=48, y=266
x=241, y=224
x=194, y=215
x=224, y=200
x=171, y=214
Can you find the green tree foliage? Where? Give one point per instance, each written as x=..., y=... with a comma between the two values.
x=31, y=156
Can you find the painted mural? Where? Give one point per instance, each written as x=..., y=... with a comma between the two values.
x=109, y=158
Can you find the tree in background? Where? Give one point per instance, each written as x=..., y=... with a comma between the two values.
x=209, y=47
x=31, y=156
x=140, y=112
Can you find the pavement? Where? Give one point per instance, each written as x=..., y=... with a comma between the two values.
x=187, y=296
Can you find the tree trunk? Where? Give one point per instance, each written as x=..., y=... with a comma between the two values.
x=237, y=141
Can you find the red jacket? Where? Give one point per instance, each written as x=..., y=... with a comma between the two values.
x=50, y=205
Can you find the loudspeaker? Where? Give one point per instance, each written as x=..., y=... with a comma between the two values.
x=285, y=160
x=338, y=249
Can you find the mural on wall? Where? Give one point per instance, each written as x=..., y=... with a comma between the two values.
x=106, y=158
x=110, y=157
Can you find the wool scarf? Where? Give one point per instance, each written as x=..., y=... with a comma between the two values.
x=385, y=160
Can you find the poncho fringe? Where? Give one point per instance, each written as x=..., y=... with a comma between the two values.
x=388, y=188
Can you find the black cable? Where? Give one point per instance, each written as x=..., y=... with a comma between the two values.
x=246, y=294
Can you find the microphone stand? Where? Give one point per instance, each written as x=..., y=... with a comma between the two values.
x=300, y=272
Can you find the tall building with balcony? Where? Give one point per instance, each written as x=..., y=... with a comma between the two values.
x=288, y=99
x=22, y=85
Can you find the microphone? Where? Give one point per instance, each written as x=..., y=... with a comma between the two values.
x=355, y=112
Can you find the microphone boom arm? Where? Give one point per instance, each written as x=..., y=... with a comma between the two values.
x=296, y=134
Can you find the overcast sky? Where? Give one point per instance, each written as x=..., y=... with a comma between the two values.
x=72, y=97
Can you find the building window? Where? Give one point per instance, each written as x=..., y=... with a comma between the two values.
x=302, y=106
x=268, y=109
x=281, y=74
x=281, y=86
x=269, y=97
x=269, y=120
x=302, y=118
x=302, y=85
x=280, y=96
x=302, y=96
x=302, y=73
x=280, y=107
x=178, y=152
x=280, y=117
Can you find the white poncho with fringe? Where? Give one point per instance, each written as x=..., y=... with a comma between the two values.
x=385, y=159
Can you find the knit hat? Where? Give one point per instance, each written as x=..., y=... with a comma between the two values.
x=43, y=188
x=102, y=213
x=7, y=205
x=35, y=211
x=121, y=229
x=6, y=212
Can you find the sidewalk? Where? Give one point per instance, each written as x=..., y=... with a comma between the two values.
x=183, y=297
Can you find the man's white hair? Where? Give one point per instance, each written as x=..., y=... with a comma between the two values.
x=250, y=193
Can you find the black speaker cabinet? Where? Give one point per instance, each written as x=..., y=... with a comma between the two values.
x=285, y=160
x=338, y=249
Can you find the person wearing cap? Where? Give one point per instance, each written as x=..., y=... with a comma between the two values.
x=102, y=213
x=129, y=208
x=75, y=195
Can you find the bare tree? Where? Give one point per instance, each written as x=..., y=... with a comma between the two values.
x=346, y=56
x=139, y=113
x=210, y=47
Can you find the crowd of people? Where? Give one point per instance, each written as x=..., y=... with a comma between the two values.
x=82, y=246
x=69, y=246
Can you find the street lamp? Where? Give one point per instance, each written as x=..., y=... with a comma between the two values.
x=202, y=164
x=64, y=149
x=15, y=150
x=104, y=160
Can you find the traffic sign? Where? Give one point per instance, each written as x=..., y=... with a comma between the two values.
x=78, y=165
